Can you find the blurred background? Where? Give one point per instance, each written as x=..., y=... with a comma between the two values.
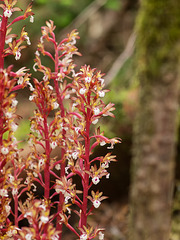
x=107, y=39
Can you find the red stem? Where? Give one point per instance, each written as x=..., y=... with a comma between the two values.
x=3, y=30
x=72, y=229
x=16, y=210
x=47, y=165
x=15, y=197
x=36, y=227
x=85, y=183
x=62, y=171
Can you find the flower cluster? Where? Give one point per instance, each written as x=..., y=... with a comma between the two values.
x=69, y=130
x=11, y=163
x=68, y=105
x=14, y=45
x=40, y=225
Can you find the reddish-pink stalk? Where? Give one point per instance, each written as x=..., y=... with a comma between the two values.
x=36, y=227
x=46, y=182
x=62, y=171
x=47, y=164
x=55, y=175
x=72, y=229
x=15, y=196
x=22, y=191
x=16, y=210
x=85, y=183
x=3, y=30
x=40, y=181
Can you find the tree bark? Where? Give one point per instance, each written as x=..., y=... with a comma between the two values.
x=157, y=60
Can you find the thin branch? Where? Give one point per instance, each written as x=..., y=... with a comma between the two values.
x=120, y=61
x=84, y=16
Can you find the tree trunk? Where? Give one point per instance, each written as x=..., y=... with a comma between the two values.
x=157, y=59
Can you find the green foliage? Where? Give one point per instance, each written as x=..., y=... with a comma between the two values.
x=22, y=132
x=113, y=4
x=62, y=20
x=67, y=2
x=121, y=94
x=41, y=1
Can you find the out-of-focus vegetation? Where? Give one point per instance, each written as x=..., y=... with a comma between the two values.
x=123, y=93
x=63, y=12
x=22, y=133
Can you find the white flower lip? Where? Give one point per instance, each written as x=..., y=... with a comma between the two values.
x=101, y=236
x=37, y=53
x=83, y=236
x=95, y=121
x=75, y=155
x=95, y=180
x=96, y=111
x=102, y=143
x=53, y=145
x=58, y=166
x=4, y=150
x=18, y=55
x=14, y=126
x=31, y=19
x=4, y=192
x=28, y=236
x=101, y=94
x=9, y=40
x=55, y=105
x=20, y=80
x=82, y=91
x=96, y=203
x=14, y=103
x=77, y=129
x=44, y=219
x=31, y=97
x=88, y=79
x=7, y=13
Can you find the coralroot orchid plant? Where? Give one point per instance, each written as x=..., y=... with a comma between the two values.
x=74, y=99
